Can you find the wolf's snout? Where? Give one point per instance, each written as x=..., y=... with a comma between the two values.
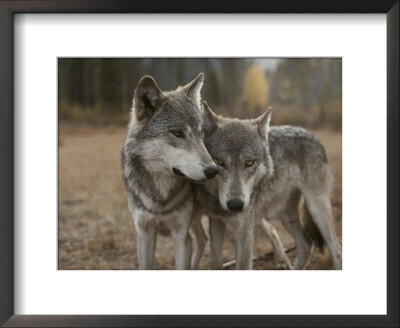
x=235, y=205
x=211, y=171
x=178, y=172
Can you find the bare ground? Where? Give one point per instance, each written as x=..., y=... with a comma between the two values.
x=95, y=228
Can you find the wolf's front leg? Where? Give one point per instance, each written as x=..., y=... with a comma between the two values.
x=200, y=238
x=183, y=249
x=182, y=241
x=280, y=255
x=243, y=233
x=146, y=242
x=217, y=232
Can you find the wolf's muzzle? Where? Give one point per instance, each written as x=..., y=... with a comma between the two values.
x=235, y=205
x=211, y=171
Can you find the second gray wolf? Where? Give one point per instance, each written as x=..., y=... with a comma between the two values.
x=264, y=172
x=163, y=151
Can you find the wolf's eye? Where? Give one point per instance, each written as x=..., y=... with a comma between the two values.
x=178, y=134
x=249, y=162
x=220, y=161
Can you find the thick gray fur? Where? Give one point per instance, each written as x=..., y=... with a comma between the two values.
x=289, y=163
x=164, y=138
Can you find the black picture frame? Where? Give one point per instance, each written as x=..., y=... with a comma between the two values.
x=7, y=11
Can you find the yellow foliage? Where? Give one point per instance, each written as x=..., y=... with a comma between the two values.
x=256, y=88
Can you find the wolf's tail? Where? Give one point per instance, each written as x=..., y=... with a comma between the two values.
x=310, y=228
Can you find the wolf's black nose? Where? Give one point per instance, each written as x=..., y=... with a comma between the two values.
x=211, y=172
x=235, y=205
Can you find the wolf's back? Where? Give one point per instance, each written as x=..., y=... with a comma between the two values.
x=295, y=144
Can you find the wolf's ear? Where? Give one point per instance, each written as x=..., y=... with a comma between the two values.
x=210, y=119
x=263, y=123
x=148, y=98
x=192, y=89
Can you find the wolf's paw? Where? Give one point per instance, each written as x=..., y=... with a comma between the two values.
x=282, y=265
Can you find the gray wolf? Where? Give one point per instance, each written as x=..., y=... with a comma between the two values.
x=162, y=153
x=264, y=172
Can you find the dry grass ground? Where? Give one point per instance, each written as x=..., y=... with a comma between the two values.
x=95, y=228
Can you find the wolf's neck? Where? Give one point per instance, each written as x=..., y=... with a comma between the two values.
x=166, y=183
x=161, y=185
